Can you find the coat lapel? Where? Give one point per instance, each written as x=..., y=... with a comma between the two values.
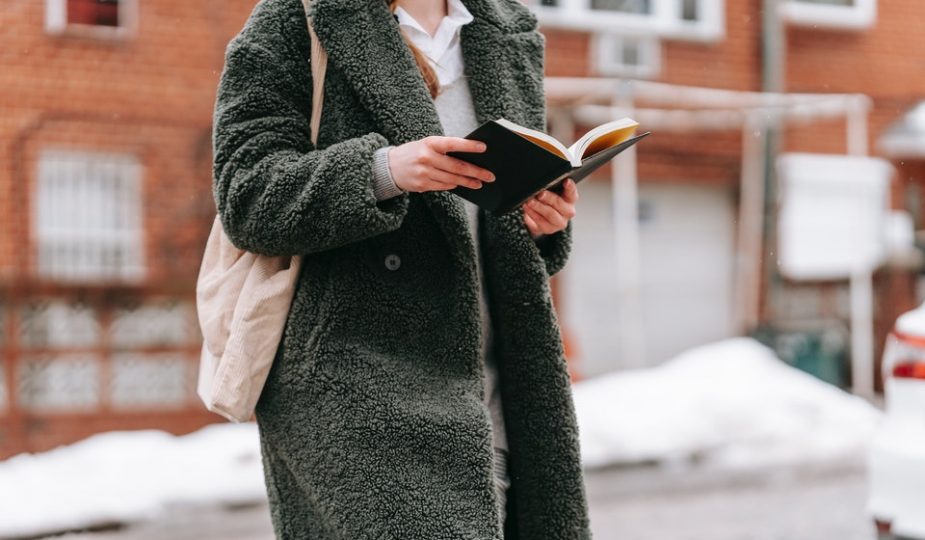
x=363, y=41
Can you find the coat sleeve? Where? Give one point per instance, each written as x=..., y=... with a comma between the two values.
x=276, y=193
x=555, y=249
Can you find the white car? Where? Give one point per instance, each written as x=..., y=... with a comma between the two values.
x=896, y=463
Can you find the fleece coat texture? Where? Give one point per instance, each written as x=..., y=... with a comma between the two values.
x=372, y=421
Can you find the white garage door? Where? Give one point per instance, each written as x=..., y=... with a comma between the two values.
x=687, y=257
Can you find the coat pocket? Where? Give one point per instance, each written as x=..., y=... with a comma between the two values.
x=310, y=316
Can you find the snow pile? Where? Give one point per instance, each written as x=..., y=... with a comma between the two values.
x=730, y=404
x=127, y=476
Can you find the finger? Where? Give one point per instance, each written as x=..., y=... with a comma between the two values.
x=549, y=213
x=456, y=180
x=434, y=185
x=532, y=225
x=570, y=193
x=556, y=201
x=543, y=224
x=455, y=144
x=559, y=202
x=462, y=168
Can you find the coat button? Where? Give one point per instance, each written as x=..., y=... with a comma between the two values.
x=392, y=262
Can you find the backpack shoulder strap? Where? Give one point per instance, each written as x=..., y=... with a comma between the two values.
x=319, y=63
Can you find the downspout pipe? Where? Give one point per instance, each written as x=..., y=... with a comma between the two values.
x=773, y=79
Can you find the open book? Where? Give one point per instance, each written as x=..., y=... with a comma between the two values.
x=526, y=161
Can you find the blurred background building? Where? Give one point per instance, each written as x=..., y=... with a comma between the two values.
x=690, y=213
x=105, y=193
x=105, y=204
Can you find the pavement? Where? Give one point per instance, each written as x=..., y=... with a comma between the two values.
x=800, y=502
x=818, y=502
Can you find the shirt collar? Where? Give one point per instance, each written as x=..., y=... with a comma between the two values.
x=457, y=15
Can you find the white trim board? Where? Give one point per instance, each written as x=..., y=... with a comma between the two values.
x=56, y=22
x=861, y=15
x=664, y=19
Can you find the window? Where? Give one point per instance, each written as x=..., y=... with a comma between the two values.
x=701, y=20
x=57, y=371
x=64, y=382
x=830, y=2
x=101, y=18
x=150, y=380
x=61, y=368
x=624, y=6
x=93, y=12
x=87, y=217
x=690, y=11
x=837, y=14
x=626, y=56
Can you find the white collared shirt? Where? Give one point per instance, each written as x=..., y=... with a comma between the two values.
x=443, y=48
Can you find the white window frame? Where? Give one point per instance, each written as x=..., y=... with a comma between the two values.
x=56, y=21
x=861, y=16
x=64, y=221
x=665, y=20
x=605, y=48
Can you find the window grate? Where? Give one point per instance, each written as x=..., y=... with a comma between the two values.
x=57, y=324
x=151, y=380
x=60, y=383
x=168, y=323
x=88, y=217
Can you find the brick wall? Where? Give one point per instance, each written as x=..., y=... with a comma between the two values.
x=150, y=95
x=886, y=62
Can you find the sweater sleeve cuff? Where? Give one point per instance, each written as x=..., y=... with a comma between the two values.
x=555, y=248
x=383, y=184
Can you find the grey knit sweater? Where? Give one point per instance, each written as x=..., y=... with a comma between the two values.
x=455, y=108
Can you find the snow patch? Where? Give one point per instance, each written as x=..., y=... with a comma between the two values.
x=730, y=404
x=128, y=476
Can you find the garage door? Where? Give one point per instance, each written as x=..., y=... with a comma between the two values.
x=687, y=240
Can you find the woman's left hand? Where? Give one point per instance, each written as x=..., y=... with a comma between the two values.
x=548, y=212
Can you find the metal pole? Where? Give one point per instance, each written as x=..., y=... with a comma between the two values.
x=862, y=333
x=857, y=128
x=750, y=231
x=626, y=236
x=861, y=287
x=774, y=48
x=773, y=71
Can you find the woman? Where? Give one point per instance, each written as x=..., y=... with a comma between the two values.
x=408, y=328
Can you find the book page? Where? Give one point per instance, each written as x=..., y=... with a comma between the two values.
x=602, y=137
x=537, y=137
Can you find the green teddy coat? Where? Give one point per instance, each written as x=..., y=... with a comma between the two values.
x=372, y=421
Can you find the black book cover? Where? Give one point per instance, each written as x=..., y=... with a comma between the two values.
x=522, y=168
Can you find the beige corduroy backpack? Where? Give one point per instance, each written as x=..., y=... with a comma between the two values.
x=243, y=300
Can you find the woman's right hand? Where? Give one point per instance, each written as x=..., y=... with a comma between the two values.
x=423, y=165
